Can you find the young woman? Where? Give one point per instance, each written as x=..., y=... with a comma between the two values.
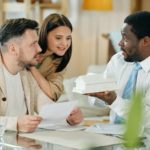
x=56, y=43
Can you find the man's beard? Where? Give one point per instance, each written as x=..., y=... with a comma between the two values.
x=133, y=58
x=21, y=64
x=26, y=65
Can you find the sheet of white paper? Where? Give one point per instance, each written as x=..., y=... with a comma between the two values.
x=114, y=129
x=54, y=115
x=72, y=128
x=63, y=127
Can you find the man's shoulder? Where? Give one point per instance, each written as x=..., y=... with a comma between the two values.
x=26, y=74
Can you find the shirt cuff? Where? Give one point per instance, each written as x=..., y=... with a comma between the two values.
x=120, y=106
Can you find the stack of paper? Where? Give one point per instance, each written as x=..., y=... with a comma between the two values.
x=94, y=83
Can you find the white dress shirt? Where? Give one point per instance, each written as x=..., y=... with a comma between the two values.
x=119, y=69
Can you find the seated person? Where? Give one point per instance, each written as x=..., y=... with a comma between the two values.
x=56, y=42
x=133, y=62
x=20, y=95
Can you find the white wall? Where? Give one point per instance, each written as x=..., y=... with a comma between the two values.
x=88, y=46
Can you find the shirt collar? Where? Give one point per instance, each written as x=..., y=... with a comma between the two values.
x=145, y=64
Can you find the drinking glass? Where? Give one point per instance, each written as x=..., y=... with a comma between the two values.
x=2, y=126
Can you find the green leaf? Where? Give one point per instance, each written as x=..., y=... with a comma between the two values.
x=134, y=121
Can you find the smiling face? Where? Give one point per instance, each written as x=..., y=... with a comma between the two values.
x=59, y=40
x=130, y=45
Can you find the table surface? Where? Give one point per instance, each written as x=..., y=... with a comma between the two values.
x=12, y=141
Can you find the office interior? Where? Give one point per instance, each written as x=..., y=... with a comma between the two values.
x=96, y=33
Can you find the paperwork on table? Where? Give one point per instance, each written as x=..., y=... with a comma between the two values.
x=54, y=116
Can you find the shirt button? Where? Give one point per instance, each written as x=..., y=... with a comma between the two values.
x=4, y=99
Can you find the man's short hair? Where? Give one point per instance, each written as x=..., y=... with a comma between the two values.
x=140, y=22
x=15, y=28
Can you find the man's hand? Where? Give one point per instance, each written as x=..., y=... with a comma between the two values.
x=75, y=117
x=28, y=123
x=108, y=96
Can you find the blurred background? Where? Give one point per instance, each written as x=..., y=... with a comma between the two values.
x=96, y=23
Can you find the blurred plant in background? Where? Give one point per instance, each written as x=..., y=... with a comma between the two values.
x=134, y=121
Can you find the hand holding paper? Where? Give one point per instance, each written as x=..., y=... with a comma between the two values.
x=75, y=117
x=54, y=115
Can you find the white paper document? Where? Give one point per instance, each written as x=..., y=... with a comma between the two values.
x=54, y=114
x=94, y=83
x=110, y=129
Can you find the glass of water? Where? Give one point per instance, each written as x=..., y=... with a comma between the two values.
x=3, y=122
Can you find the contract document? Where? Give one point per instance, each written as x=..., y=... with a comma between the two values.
x=54, y=115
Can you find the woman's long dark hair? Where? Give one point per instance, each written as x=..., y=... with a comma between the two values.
x=51, y=22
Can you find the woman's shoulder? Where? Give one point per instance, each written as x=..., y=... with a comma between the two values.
x=50, y=59
x=48, y=65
